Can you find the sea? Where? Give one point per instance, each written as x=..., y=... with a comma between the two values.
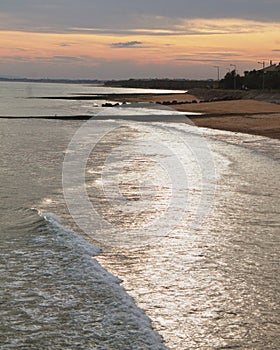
x=126, y=229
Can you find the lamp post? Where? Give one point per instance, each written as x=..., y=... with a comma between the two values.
x=263, y=65
x=234, y=77
x=218, y=72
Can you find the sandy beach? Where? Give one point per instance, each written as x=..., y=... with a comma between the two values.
x=242, y=115
x=247, y=116
x=253, y=112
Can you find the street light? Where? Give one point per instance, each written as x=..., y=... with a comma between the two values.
x=234, y=77
x=263, y=65
x=218, y=71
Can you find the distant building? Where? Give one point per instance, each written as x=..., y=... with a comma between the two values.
x=273, y=68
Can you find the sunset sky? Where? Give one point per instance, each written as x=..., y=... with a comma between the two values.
x=104, y=39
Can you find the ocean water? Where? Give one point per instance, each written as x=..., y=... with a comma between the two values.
x=118, y=234
x=23, y=99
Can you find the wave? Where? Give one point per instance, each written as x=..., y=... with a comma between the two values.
x=54, y=224
x=64, y=297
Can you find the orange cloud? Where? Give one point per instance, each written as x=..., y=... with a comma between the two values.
x=189, y=42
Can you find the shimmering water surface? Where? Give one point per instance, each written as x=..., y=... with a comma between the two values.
x=23, y=99
x=188, y=220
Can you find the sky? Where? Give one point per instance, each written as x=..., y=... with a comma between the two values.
x=119, y=39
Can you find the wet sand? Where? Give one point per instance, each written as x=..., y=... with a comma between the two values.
x=259, y=124
x=227, y=110
x=247, y=116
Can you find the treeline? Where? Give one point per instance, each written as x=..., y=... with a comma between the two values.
x=255, y=79
x=166, y=84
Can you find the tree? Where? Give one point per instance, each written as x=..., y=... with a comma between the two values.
x=232, y=81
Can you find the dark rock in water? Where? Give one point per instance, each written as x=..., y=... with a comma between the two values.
x=107, y=104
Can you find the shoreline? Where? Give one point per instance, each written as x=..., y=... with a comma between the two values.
x=266, y=125
x=224, y=112
x=231, y=110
